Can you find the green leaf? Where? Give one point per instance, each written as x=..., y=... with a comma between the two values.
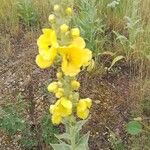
x=61, y=146
x=83, y=142
x=134, y=127
x=64, y=136
x=115, y=60
x=79, y=125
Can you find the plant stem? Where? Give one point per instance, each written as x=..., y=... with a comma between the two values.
x=72, y=135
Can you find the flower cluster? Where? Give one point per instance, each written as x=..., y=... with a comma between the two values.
x=62, y=44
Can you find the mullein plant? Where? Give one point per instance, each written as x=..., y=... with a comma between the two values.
x=62, y=45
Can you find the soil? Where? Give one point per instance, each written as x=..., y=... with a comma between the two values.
x=110, y=92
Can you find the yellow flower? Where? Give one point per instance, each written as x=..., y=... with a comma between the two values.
x=47, y=44
x=88, y=102
x=83, y=108
x=75, y=32
x=78, y=42
x=56, y=119
x=42, y=63
x=68, y=11
x=83, y=114
x=66, y=107
x=64, y=28
x=73, y=58
x=75, y=84
x=62, y=108
x=52, y=87
x=47, y=39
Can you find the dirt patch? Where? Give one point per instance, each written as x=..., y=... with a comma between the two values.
x=111, y=95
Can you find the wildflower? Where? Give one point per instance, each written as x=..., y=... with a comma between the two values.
x=83, y=108
x=47, y=44
x=79, y=42
x=66, y=107
x=51, y=18
x=42, y=63
x=73, y=58
x=68, y=11
x=62, y=108
x=47, y=40
x=56, y=119
x=75, y=32
x=56, y=7
x=52, y=87
x=64, y=28
x=75, y=84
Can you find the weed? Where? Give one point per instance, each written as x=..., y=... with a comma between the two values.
x=26, y=12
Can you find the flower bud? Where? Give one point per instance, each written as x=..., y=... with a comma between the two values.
x=59, y=75
x=75, y=32
x=52, y=87
x=75, y=85
x=69, y=11
x=64, y=28
x=59, y=93
x=51, y=18
x=56, y=7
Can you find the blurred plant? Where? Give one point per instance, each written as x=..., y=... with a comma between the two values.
x=26, y=12
x=113, y=4
x=140, y=132
x=10, y=121
x=48, y=131
x=116, y=142
x=29, y=136
x=88, y=19
x=134, y=29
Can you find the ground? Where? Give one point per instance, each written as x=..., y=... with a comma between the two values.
x=110, y=92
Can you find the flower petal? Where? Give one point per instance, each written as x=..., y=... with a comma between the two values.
x=42, y=63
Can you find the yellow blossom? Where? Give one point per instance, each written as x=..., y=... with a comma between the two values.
x=75, y=84
x=83, y=114
x=56, y=119
x=62, y=108
x=73, y=58
x=47, y=44
x=64, y=28
x=66, y=107
x=52, y=87
x=83, y=108
x=75, y=32
x=88, y=102
x=42, y=63
x=79, y=42
x=47, y=40
x=68, y=11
